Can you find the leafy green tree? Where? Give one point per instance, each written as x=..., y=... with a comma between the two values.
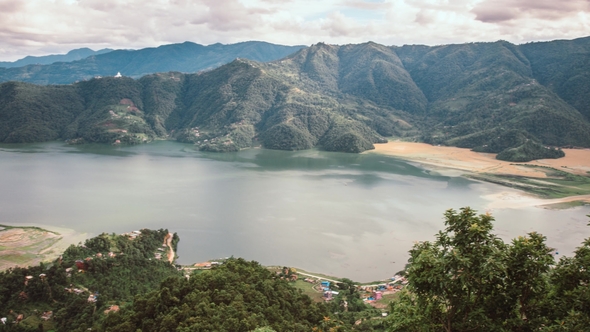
x=236, y=296
x=470, y=280
x=570, y=300
x=527, y=263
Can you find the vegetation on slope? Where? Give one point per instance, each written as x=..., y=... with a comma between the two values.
x=476, y=90
x=489, y=97
x=237, y=296
x=114, y=268
x=564, y=67
x=468, y=279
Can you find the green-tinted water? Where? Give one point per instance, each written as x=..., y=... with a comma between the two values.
x=349, y=215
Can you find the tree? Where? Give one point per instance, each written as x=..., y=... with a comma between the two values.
x=470, y=280
x=570, y=299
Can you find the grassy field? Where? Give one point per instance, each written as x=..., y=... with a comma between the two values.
x=308, y=290
x=384, y=301
x=557, y=184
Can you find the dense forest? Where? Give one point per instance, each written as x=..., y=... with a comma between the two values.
x=522, y=102
x=104, y=271
x=467, y=279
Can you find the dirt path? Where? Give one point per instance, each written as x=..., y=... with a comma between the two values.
x=317, y=277
x=168, y=242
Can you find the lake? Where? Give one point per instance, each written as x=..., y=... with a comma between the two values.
x=348, y=215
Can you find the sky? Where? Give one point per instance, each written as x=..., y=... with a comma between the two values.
x=40, y=27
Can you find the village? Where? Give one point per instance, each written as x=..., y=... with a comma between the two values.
x=320, y=288
x=325, y=288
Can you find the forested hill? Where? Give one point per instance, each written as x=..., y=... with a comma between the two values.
x=186, y=57
x=466, y=279
x=517, y=101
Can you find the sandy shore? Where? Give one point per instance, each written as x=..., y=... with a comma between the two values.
x=24, y=246
x=456, y=161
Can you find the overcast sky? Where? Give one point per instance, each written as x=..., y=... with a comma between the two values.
x=39, y=27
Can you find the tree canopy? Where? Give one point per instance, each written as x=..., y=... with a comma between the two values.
x=468, y=279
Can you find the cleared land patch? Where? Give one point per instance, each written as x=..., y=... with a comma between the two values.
x=25, y=246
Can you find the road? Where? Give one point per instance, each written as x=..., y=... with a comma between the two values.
x=317, y=277
x=168, y=242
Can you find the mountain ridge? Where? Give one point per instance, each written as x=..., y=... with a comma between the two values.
x=485, y=96
x=73, y=55
x=185, y=57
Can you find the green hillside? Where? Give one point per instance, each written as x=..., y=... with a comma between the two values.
x=490, y=97
x=481, y=90
x=564, y=67
x=467, y=279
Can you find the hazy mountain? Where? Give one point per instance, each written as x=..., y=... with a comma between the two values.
x=186, y=57
x=72, y=55
x=490, y=97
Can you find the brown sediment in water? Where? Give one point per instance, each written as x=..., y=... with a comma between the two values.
x=576, y=161
x=453, y=159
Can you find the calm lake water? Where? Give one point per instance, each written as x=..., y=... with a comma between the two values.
x=348, y=215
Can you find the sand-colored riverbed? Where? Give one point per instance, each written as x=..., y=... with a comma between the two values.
x=458, y=160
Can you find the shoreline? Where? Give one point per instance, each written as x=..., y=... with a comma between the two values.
x=453, y=161
x=31, y=244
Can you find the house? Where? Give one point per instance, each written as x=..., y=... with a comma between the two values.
x=377, y=295
x=47, y=315
x=118, y=75
x=113, y=308
x=81, y=265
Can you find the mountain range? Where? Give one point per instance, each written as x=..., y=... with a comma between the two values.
x=72, y=55
x=186, y=57
x=514, y=100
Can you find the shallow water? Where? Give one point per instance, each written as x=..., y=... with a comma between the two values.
x=348, y=215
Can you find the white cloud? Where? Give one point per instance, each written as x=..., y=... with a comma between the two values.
x=38, y=27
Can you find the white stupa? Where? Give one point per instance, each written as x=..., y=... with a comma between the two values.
x=118, y=75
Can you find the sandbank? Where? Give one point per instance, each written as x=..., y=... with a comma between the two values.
x=457, y=161
x=29, y=245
